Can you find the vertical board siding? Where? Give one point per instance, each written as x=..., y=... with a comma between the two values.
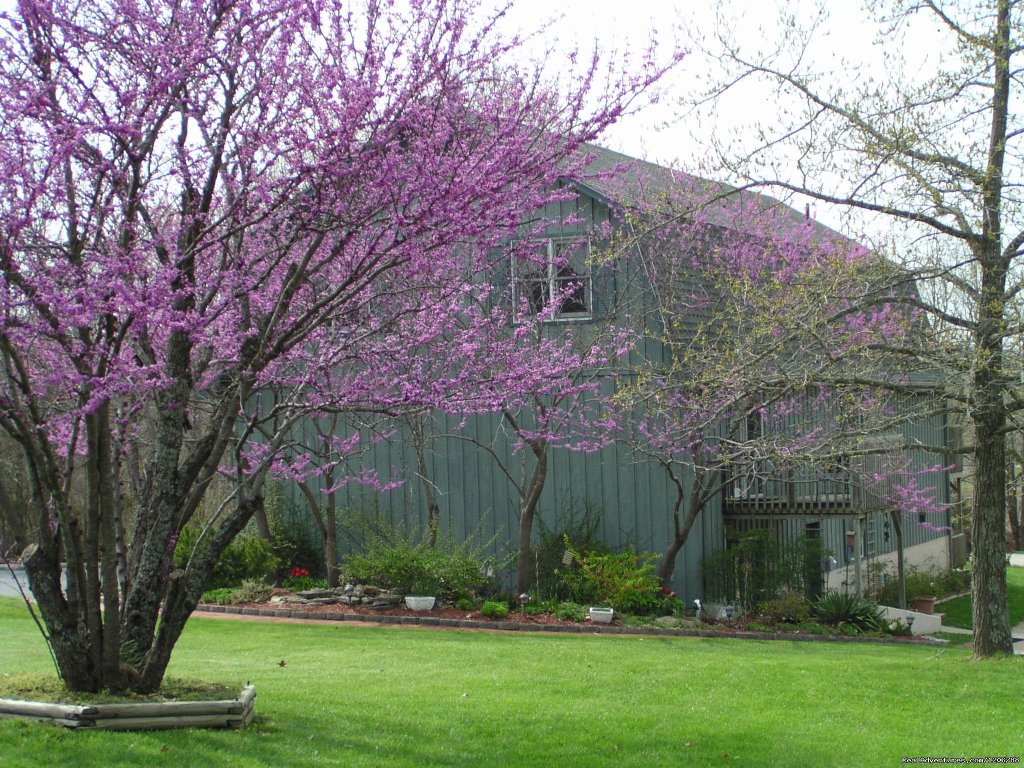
x=634, y=496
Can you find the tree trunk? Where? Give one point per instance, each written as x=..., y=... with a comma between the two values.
x=527, y=512
x=13, y=531
x=667, y=566
x=326, y=519
x=901, y=572
x=988, y=541
x=331, y=541
x=417, y=427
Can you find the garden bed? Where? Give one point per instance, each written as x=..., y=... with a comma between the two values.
x=452, y=618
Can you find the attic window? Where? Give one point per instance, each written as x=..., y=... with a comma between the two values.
x=554, y=273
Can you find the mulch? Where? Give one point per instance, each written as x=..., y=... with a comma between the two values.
x=454, y=619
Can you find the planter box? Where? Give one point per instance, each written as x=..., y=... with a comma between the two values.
x=925, y=604
x=602, y=615
x=232, y=713
x=419, y=603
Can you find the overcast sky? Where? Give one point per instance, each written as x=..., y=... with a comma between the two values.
x=669, y=132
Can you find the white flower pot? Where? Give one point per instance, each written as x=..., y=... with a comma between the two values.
x=417, y=603
x=602, y=615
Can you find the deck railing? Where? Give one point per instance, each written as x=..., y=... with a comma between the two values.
x=849, y=486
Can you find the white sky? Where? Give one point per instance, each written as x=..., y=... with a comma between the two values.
x=665, y=133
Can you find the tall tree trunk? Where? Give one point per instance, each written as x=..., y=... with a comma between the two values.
x=417, y=427
x=901, y=571
x=681, y=529
x=527, y=512
x=988, y=534
x=13, y=531
x=325, y=516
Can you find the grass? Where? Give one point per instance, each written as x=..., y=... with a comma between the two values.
x=957, y=612
x=355, y=696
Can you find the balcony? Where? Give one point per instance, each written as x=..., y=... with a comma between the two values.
x=845, y=488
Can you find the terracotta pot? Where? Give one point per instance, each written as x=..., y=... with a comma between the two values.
x=924, y=604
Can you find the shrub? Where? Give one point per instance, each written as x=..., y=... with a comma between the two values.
x=540, y=607
x=757, y=568
x=248, y=557
x=303, y=583
x=842, y=609
x=252, y=591
x=570, y=611
x=625, y=581
x=396, y=561
x=222, y=596
x=293, y=540
x=494, y=609
x=921, y=584
x=788, y=607
x=899, y=628
x=812, y=627
x=465, y=604
x=577, y=530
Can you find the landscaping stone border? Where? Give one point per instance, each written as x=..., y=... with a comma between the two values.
x=230, y=713
x=579, y=629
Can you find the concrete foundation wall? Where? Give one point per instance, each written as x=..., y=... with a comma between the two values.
x=931, y=557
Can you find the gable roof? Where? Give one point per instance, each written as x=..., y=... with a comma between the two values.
x=625, y=182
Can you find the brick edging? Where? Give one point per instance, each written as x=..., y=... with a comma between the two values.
x=579, y=629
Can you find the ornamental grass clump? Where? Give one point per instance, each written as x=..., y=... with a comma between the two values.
x=842, y=609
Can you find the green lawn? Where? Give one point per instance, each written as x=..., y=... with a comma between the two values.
x=353, y=696
x=957, y=612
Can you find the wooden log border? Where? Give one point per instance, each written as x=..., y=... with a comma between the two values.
x=232, y=713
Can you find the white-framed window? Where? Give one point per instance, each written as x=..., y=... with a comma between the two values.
x=552, y=272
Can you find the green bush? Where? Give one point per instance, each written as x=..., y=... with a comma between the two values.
x=570, y=611
x=757, y=568
x=625, y=581
x=578, y=531
x=247, y=557
x=465, y=604
x=842, y=609
x=292, y=541
x=788, y=607
x=222, y=596
x=252, y=591
x=397, y=561
x=921, y=584
x=540, y=607
x=303, y=583
x=494, y=609
x=811, y=627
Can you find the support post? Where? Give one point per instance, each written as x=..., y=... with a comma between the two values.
x=858, y=534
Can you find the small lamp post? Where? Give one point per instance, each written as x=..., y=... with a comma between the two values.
x=523, y=600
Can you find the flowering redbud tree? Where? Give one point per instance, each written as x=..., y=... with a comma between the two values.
x=202, y=201
x=775, y=367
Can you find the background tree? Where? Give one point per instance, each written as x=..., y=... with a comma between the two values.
x=765, y=370
x=932, y=144
x=197, y=203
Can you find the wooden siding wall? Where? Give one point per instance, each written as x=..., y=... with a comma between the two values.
x=633, y=497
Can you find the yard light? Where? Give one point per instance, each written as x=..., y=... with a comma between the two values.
x=728, y=613
x=523, y=600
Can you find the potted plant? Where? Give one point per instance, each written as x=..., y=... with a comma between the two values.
x=924, y=604
x=422, y=595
